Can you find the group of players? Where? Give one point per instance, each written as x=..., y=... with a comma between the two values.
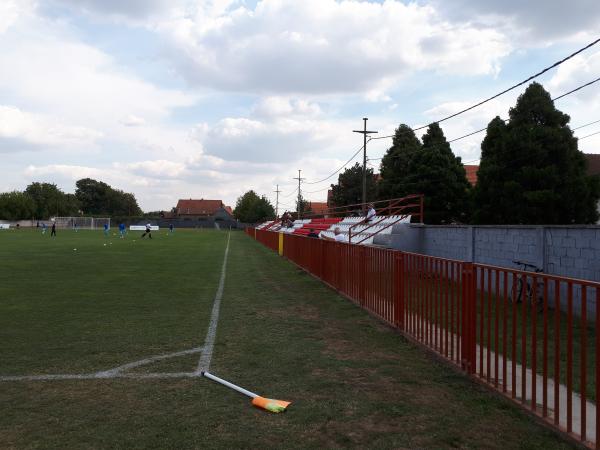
x=122, y=230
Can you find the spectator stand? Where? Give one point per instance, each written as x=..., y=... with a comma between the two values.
x=352, y=225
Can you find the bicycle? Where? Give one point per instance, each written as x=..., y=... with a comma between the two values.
x=538, y=301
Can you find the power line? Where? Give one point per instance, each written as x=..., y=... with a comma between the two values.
x=576, y=89
x=589, y=135
x=505, y=120
x=290, y=194
x=556, y=64
x=318, y=190
x=345, y=164
x=586, y=125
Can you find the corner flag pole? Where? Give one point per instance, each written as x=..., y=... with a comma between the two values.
x=274, y=406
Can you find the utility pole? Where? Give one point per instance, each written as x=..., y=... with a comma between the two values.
x=277, y=203
x=300, y=179
x=364, y=132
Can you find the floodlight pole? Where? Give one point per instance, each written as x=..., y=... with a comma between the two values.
x=364, y=132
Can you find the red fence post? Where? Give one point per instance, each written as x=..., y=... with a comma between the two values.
x=469, y=318
x=362, y=275
x=398, y=273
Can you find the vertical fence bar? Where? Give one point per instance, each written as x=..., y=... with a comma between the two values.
x=513, y=352
x=545, y=354
x=597, y=371
x=556, y=352
x=446, y=324
x=489, y=325
x=399, y=290
x=453, y=313
x=583, y=368
x=524, y=294
x=504, y=332
x=569, y=357
x=480, y=296
x=496, y=335
x=534, y=309
x=469, y=318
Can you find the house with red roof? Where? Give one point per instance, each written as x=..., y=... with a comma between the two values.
x=202, y=208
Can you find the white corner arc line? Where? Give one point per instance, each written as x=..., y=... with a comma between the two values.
x=132, y=365
x=209, y=341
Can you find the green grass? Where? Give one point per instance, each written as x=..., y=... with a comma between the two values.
x=354, y=382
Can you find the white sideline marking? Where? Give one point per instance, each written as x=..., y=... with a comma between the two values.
x=209, y=342
x=120, y=371
x=95, y=376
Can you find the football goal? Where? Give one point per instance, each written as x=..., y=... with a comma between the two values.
x=82, y=223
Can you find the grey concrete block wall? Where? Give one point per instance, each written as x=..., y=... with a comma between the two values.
x=570, y=251
x=501, y=246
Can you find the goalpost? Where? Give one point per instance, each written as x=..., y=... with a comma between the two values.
x=82, y=223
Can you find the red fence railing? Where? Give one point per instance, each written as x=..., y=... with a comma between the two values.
x=532, y=336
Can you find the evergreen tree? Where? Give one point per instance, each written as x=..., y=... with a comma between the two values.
x=348, y=190
x=531, y=169
x=250, y=208
x=435, y=172
x=395, y=164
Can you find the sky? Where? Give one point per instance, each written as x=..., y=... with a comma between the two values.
x=173, y=99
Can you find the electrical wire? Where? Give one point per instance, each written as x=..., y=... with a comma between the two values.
x=589, y=135
x=290, y=194
x=556, y=64
x=338, y=170
x=506, y=120
x=586, y=125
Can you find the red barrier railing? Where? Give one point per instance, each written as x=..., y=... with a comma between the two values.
x=530, y=335
x=268, y=238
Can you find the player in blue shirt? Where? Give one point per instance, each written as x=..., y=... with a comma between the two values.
x=106, y=230
x=122, y=230
x=171, y=228
x=43, y=228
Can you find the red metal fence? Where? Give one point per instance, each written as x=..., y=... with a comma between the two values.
x=531, y=336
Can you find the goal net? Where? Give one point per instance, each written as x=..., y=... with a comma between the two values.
x=82, y=223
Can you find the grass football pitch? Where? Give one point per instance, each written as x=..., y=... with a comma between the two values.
x=354, y=383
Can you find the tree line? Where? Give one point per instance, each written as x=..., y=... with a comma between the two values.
x=40, y=201
x=531, y=171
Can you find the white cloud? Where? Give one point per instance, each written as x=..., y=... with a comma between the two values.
x=133, y=121
x=154, y=169
x=278, y=106
x=324, y=46
x=11, y=10
x=76, y=81
x=41, y=131
x=535, y=20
